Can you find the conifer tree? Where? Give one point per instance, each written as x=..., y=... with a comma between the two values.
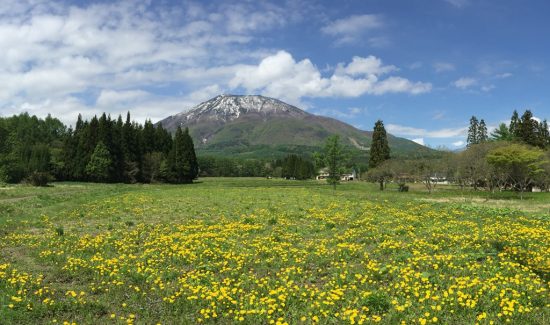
x=482, y=132
x=502, y=133
x=472, y=132
x=528, y=128
x=514, y=125
x=118, y=151
x=184, y=161
x=333, y=156
x=99, y=166
x=191, y=166
x=129, y=146
x=379, y=148
x=544, y=134
x=148, y=137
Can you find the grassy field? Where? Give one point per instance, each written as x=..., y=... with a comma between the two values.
x=271, y=252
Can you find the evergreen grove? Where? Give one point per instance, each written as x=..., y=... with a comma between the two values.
x=101, y=150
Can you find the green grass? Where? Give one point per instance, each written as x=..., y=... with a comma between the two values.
x=228, y=250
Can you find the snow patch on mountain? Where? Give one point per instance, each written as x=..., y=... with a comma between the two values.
x=230, y=107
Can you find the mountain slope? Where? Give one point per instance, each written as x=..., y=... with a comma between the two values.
x=258, y=126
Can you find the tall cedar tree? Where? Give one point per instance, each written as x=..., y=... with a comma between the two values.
x=379, y=148
x=184, y=163
x=544, y=134
x=528, y=129
x=514, y=125
x=334, y=159
x=472, y=132
x=482, y=132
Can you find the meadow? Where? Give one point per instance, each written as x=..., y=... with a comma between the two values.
x=258, y=251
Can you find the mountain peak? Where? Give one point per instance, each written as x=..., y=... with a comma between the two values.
x=243, y=124
x=227, y=107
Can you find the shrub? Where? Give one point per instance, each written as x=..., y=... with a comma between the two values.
x=3, y=177
x=39, y=179
x=60, y=231
x=378, y=302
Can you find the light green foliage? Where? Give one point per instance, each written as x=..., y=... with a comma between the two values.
x=522, y=163
x=501, y=133
x=382, y=173
x=100, y=164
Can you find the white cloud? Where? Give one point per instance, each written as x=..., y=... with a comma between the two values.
x=504, y=75
x=496, y=68
x=113, y=56
x=418, y=132
x=350, y=29
x=355, y=110
x=401, y=85
x=241, y=18
x=365, y=66
x=110, y=98
x=418, y=140
x=280, y=76
x=353, y=24
x=443, y=67
x=124, y=55
x=459, y=143
x=465, y=83
x=348, y=113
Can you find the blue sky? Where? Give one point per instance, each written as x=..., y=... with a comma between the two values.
x=422, y=66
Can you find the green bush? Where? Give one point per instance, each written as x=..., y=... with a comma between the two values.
x=3, y=176
x=39, y=179
x=60, y=231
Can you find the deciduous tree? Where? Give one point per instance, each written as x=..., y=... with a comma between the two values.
x=523, y=163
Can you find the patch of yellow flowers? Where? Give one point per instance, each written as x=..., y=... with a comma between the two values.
x=347, y=262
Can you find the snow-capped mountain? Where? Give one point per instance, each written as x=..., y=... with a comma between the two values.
x=226, y=108
x=253, y=125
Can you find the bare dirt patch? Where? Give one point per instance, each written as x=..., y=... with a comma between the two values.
x=15, y=199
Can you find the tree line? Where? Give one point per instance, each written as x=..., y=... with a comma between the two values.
x=291, y=166
x=525, y=130
x=515, y=156
x=101, y=149
x=112, y=150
